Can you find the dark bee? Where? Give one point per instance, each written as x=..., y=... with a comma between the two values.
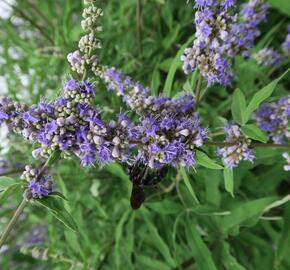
x=142, y=176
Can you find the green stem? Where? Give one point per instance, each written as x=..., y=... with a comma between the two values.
x=13, y=221
x=198, y=90
x=53, y=157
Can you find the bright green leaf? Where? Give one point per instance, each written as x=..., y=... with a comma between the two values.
x=173, y=68
x=253, y=132
x=203, y=160
x=229, y=180
x=261, y=96
x=188, y=184
x=239, y=107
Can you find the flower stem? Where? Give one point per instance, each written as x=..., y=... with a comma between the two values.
x=198, y=90
x=13, y=221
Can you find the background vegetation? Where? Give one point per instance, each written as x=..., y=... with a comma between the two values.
x=173, y=229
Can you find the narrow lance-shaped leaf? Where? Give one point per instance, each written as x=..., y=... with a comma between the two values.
x=261, y=96
x=244, y=212
x=253, y=132
x=203, y=160
x=6, y=182
x=173, y=68
x=239, y=107
x=199, y=249
x=188, y=184
x=229, y=180
x=58, y=210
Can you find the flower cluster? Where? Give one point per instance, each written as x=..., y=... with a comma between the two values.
x=38, y=185
x=287, y=157
x=220, y=36
x=168, y=128
x=245, y=31
x=208, y=53
x=137, y=97
x=274, y=119
x=268, y=57
x=286, y=44
x=238, y=148
x=88, y=43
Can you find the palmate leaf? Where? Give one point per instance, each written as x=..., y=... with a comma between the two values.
x=57, y=209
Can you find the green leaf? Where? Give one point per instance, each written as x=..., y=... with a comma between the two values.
x=245, y=212
x=188, y=184
x=261, y=96
x=58, y=210
x=283, y=243
x=9, y=191
x=173, y=68
x=282, y=5
x=199, y=249
x=228, y=260
x=253, y=132
x=159, y=242
x=229, y=180
x=59, y=195
x=239, y=107
x=151, y=263
x=6, y=182
x=118, y=237
x=203, y=160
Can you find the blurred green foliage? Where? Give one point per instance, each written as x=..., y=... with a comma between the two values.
x=189, y=221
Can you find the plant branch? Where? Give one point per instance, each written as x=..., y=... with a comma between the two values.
x=25, y=200
x=13, y=221
x=257, y=145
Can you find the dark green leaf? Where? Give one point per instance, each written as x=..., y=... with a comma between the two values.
x=229, y=180
x=199, y=249
x=58, y=210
